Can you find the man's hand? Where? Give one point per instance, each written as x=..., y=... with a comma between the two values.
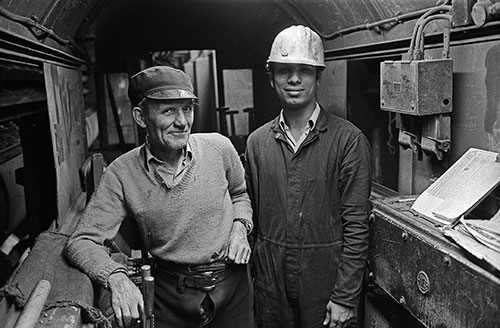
x=239, y=249
x=126, y=299
x=337, y=316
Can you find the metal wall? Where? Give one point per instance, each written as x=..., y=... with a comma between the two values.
x=476, y=112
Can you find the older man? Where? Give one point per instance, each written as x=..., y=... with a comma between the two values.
x=188, y=196
x=309, y=177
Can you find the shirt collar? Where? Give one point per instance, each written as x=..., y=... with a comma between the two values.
x=148, y=155
x=311, y=122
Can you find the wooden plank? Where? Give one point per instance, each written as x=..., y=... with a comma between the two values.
x=65, y=105
x=67, y=223
x=11, y=317
x=33, y=308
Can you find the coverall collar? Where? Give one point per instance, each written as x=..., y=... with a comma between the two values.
x=321, y=124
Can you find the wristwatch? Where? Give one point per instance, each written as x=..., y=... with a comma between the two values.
x=246, y=223
x=117, y=270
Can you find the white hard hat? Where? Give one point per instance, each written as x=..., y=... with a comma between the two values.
x=297, y=45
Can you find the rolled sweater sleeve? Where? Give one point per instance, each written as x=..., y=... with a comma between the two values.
x=100, y=221
x=355, y=186
x=235, y=175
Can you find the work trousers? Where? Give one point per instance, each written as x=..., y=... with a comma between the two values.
x=293, y=299
x=179, y=304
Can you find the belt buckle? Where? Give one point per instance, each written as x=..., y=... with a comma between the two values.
x=212, y=279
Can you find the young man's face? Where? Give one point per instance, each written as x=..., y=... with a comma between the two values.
x=167, y=122
x=295, y=84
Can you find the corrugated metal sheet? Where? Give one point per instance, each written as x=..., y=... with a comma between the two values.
x=61, y=17
x=328, y=16
x=254, y=21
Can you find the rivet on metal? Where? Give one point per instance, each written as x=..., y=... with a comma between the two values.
x=447, y=260
x=423, y=282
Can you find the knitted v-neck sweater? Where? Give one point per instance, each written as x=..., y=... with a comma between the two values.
x=189, y=223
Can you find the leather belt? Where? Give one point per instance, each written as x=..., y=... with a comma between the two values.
x=197, y=276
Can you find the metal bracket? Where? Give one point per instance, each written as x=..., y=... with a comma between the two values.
x=436, y=146
x=442, y=145
x=437, y=132
x=408, y=140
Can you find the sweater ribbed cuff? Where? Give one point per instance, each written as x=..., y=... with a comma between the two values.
x=107, y=270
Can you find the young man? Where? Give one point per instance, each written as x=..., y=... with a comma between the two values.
x=188, y=196
x=309, y=178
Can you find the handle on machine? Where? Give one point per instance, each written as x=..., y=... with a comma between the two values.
x=148, y=294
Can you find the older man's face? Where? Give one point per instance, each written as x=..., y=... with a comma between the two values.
x=168, y=123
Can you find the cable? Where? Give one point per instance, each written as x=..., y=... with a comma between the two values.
x=396, y=19
x=431, y=11
x=390, y=147
x=419, y=46
x=368, y=26
x=360, y=27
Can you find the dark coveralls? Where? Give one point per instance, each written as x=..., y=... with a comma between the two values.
x=311, y=213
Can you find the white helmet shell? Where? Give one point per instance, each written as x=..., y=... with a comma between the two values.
x=297, y=44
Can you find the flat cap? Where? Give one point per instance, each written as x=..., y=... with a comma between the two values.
x=160, y=82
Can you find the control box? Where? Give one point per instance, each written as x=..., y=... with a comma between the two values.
x=417, y=87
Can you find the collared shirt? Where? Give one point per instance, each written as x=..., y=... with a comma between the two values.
x=311, y=123
x=166, y=173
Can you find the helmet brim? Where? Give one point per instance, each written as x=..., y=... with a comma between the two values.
x=295, y=61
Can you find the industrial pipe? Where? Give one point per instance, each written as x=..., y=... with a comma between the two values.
x=484, y=11
x=35, y=27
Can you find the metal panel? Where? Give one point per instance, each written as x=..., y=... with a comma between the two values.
x=373, y=317
x=461, y=10
x=476, y=97
x=238, y=95
x=332, y=90
x=205, y=117
x=427, y=274
x=67, y=317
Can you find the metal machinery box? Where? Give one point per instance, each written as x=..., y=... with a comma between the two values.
x=461, y=10
x=430, y=276
x=417, y=87
x=373, y=318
